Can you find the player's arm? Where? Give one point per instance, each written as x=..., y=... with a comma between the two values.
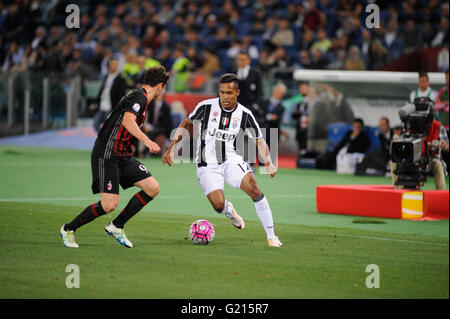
x=129, y=122
x=264, y=152
x=168, y=156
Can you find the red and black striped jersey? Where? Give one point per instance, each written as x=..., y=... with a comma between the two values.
x=114, y=138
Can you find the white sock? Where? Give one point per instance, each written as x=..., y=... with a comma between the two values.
x=265, y=215
x=227, y=210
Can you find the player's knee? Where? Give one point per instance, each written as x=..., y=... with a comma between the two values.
x=255, y=192
x=152, y=190
x=219, y=205
x=109, y=205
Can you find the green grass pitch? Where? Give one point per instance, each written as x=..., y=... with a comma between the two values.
x=325, y=256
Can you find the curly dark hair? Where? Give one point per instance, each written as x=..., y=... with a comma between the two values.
x=155, y=75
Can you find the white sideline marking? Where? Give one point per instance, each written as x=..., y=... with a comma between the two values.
x=377, y=238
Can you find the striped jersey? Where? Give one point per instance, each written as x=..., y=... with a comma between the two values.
x=114, y=140
x=220, y=132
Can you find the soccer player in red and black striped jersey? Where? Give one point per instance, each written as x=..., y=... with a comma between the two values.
x=112, y=161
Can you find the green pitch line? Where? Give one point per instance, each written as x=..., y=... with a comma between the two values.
x=63, y=177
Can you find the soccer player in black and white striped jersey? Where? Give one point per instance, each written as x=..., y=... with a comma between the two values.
x=222, y=122
x=113, y=164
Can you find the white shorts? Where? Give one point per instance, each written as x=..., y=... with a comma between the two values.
x=231, y=171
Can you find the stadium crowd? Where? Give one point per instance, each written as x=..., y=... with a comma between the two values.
x=206, y=36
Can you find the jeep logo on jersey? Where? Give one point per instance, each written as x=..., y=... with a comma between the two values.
x=222, y=135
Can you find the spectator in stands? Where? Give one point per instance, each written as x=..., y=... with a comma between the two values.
x=314, y=19
x=111, y=91
x=139, y=77
x=318, y=59
x=248, y=46
x=322, y=43
x=24, y=63
x=355, y=141
x=354, y=61
x=305, y=59
x=212, y=63
x=263, y=64
x=424, y=88
x=339, y=61
x=195, y=59
x=180, y=70
x=427, y=35
x=284, y=35
x=39, y=37
x=270, y=29
x=409, y=36
x=441, y=37
x=54, y=61
x=278, y=59
x=149, y=60
x=308, y=40
x=14, y=56
x=366, y=41
x=75, y=65
x=38, y=57
x=377, y=55
x=392, y=41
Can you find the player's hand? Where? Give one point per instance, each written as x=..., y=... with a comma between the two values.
x=168, y=158
x=271, y=169
x=152, y=147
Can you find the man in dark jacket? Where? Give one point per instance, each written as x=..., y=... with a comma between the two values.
x=250, y=96
x=111, y=91
x=273, y=110
x=250, y=86
x=355, y=141
x=376, y=163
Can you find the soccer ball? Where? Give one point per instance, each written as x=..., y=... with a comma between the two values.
x=201, y=232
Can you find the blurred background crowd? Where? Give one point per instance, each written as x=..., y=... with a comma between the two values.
x=206, y=36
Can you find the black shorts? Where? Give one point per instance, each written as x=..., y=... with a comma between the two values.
x=107, y=174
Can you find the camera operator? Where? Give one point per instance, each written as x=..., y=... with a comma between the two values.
x=437, y=141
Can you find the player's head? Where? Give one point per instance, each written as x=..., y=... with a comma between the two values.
x=156, y=78
x=228, y=90
x=424, y=81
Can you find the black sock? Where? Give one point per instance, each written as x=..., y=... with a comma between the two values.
x=136, y=203
x=89, y=214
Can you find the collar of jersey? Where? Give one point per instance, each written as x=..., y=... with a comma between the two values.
x=228, y=111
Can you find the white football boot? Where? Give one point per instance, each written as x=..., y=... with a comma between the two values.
x=275, y=242
x=235, y=219
x=118, y=234
x=68, y=238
